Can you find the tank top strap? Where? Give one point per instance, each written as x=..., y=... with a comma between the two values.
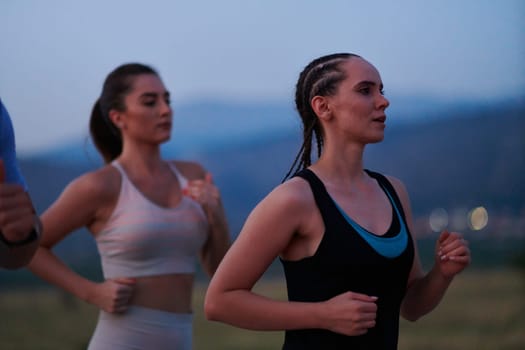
x=321, y=196
x=120, y=169
x=128, y=192
x=127, y=188
x=183, y=181
x=389, y=188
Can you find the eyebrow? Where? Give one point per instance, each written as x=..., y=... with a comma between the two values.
x=369, y=83
x=154, y=94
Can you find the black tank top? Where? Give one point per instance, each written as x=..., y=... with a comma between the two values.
x=345, y=261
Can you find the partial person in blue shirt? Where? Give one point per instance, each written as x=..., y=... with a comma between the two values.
x=19, y=224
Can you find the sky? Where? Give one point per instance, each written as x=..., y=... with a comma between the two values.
x=55, y=54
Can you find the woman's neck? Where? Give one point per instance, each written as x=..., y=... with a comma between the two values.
x=141, y=159
x=341, y=166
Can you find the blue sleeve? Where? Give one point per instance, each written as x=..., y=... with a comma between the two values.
x=7, y=149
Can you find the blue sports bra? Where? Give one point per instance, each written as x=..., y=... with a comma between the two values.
x=390, y=245
x=142, y=238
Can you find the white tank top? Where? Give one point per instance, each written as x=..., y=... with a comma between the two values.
x=142, y=238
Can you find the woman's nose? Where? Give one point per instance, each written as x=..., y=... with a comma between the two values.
x=166, y=108
x=383, y=102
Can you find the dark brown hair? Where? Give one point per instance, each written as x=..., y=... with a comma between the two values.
x=106, y=136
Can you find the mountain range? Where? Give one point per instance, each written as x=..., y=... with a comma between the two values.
x=458, y=155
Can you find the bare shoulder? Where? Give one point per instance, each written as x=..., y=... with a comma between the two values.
x=103, y=182
x=191, y=170
x=287, y=212
x=283, y=213
x=401, y=191
x=399, y=186
x=294, y=193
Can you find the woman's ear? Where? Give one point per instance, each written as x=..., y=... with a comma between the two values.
x=116, y=118
x=321, y=107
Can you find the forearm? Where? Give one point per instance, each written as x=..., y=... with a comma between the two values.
x=47, y=266
x=244, y=309
x=424, y=295
x=18, y=253
x=17, y=256
x=218, y=241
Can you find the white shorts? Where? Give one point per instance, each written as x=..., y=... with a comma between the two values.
x=142, y=328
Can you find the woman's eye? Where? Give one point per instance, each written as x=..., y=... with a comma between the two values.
x=149, y=103
x=382, y=91
x=365, y=91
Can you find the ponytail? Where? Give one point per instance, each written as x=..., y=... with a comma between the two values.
x=105, y=135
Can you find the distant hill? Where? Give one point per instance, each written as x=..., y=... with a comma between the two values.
x=456, y=158
x=460, y=160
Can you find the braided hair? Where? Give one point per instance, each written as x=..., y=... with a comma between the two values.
x=321, y=77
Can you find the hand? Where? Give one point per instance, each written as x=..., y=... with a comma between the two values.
x=113, y=295
x=452, y=254
x=204, y=192
x=352, y=313
x=17, y=216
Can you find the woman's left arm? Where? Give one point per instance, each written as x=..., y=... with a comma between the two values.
x=451, y=256
x=205, y=192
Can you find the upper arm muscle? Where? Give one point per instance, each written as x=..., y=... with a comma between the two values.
x=77, y=206
x=266, y=233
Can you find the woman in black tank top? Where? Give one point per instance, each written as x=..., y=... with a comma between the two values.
x=342, y=233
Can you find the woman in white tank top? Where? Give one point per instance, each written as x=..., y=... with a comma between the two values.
x=151, y=219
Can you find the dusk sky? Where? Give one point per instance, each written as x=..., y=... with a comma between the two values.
x=55, y=54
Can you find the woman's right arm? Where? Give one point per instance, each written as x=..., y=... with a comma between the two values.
x=268, y=232
x=78, y=206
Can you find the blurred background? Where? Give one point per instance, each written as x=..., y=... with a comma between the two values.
x=454, y=72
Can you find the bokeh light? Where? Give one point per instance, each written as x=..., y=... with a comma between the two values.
x=478, y=218
x=438, y=219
